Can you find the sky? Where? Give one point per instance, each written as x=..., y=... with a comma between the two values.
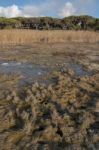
x=51, y=8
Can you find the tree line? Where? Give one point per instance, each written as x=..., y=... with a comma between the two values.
x=49, y=23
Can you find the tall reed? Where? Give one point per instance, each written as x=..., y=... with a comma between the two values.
x=57, y=36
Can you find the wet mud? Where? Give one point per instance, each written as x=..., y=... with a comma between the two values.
x=59, y=113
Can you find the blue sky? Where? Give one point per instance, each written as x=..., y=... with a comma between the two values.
x=53, y=8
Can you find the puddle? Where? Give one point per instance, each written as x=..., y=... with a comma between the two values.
x=31, y=73
x=78, y=69
x=28, y=72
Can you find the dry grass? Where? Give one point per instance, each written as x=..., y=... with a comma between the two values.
x=31, y=36
x=60, y=115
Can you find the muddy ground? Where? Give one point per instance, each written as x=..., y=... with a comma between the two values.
x=57, y=109
x=53, y=55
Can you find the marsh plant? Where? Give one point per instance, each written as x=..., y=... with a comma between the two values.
x=56, y=116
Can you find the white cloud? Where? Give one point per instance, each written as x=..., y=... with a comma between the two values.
x=11, y=11
x=29, y=11
x=15, y=11
x=67, y=10
x=56, y=8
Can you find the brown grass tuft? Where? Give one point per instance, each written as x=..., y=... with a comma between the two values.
x=34, y=36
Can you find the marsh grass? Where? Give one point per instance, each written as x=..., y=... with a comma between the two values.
x=56, y=36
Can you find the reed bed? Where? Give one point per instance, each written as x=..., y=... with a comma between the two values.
x=57, y=36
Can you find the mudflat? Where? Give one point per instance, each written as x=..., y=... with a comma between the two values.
x=49, y=96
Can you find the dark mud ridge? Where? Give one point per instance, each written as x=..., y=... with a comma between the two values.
x=61, y=116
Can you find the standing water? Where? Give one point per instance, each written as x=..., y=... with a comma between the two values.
x=31, y=72
x=28, y=71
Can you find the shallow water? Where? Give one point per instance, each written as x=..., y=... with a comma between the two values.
x=79, y=71
x=25, y=69
x=31, y=72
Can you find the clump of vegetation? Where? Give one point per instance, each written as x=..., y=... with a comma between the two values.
x=48, y=23
x=57, y=116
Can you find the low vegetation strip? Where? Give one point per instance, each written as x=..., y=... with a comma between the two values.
x=48, y=23
x=57, y=36
x=59, y=116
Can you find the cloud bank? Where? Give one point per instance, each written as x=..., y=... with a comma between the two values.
x=54, y=8
x=10, y=11
x=67, y=10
